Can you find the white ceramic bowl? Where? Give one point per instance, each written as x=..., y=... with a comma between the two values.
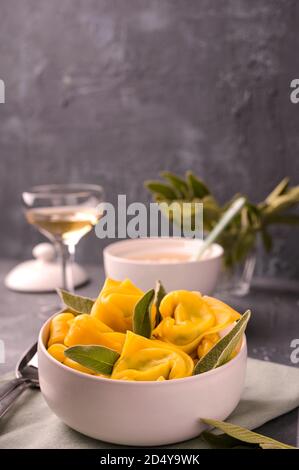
x=191, y=275
x=139, y=413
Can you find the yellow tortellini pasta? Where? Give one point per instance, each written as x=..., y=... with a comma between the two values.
x=224, y=313
x=190, y=325
x=147, y=359
x=59, y=327
x=86, y=329
x=188, y=316
x=206, y=343
x=57, y=351
x=115, y=304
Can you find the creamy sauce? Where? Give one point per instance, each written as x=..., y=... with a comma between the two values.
x=161, y=257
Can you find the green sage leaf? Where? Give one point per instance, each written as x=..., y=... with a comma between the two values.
x=267, y=240
x=161, y=189
x=76, y=303
x=142, y=315
x=278, y=190
x=224, y=441
x=97, y=358
x=212, y=211
x=244, y=244
x=283, y=202
x=276, y=445
x=179, y=185
x=223, y=349
x=160, y=292
x=197, y=187
x=287, y=219
x=244, y=435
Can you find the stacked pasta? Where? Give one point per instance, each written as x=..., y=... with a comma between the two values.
x=189, y=326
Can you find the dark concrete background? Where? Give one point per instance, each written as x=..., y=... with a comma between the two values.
x=113, y=91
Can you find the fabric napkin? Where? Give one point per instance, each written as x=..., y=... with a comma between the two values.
x=270, y=391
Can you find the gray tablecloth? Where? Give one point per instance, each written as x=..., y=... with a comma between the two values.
x=271, y=390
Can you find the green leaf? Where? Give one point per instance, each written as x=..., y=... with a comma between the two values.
x=76, y=303
x=197, y=187
x=223, y=441
x=243, y=245
x=179, y=185
x=287, y=219
x=97, y=358
x=283, y=202
x=244, y=435
x=221, y=352
x=211, y=210
x=278, y=190
x=161, y=189
x=276, y=445
x=160, y=292
x=267, y=240
x=142, y=316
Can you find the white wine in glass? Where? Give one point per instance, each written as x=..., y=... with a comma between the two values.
x=66, y=223
x=64, y=214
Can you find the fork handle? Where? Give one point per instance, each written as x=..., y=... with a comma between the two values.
x=10, y=397
x=9, y=386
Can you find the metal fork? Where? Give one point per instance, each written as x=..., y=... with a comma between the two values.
x=26, y=376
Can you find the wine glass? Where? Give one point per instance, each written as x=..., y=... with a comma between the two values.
x=64, y=213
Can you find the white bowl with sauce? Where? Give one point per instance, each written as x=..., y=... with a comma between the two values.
x=145, y=260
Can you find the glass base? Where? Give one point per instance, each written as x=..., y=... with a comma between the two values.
x=237, y=280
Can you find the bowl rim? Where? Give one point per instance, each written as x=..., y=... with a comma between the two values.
x=121, y=259
x=127, y=383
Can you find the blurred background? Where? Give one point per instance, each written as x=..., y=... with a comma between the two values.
x=113, y=91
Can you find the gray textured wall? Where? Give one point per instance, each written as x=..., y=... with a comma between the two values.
x=112, y=91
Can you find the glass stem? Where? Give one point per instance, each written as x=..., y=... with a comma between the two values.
x=67, y=254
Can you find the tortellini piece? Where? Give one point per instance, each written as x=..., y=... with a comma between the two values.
x=115, y=304
x=57, y=351
x=147, y=359
x=206, y=344
x=59, y=327
x=188, y=316
x=86, y=329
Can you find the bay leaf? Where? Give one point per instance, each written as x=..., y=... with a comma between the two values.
x=97, y=358
x=142, y=315
x=244, y=435
x=76, y=304
x=221, y=352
